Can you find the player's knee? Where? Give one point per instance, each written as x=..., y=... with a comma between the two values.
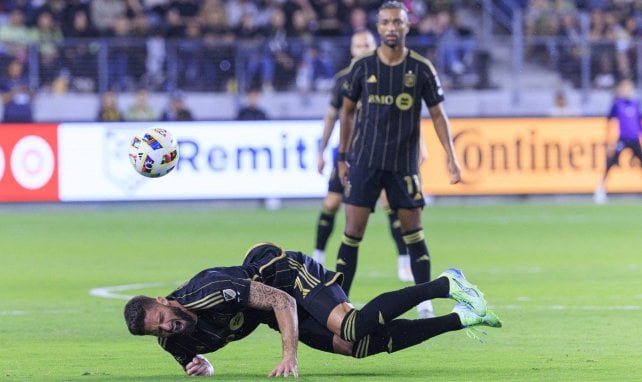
x=350, y=241
x=414, y=236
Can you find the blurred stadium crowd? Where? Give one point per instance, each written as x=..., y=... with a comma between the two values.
x=236, y=46
x=209, y=45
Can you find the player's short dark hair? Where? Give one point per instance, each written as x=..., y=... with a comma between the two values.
x=393, y=4
x=135, y=311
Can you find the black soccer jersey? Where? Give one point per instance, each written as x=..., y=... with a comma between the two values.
x=386, y=131
x=337, y=90
x=219, y=297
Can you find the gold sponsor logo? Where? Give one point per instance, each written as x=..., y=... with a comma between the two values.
x=237, y=321
x=381, y=99
x=404, y=101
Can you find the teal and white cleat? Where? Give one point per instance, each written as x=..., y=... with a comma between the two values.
x=462, y=291
x=469, y=318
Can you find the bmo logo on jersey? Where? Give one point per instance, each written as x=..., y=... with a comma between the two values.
x=28, y=165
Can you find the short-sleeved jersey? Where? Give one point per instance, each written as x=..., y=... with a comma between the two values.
x=627, y=112
x=337, y=90
x=219, y=297
x=386, y=131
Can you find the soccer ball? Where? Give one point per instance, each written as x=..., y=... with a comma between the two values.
x=153, y=152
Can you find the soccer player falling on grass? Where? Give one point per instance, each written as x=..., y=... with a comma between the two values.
x=294, y=294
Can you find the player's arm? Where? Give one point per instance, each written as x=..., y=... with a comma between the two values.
x=265, y=297
x=328, y=125
x=442, y=128
x=346, y=123
x=423, y=150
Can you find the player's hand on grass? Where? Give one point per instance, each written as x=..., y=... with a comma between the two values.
x=199, y=367
x=287, y=367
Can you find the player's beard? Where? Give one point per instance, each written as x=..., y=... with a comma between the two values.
x=391, y=41
x=190, y=323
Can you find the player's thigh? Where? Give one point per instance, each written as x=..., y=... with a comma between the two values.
x=403, y=190
x=363, y=187
x=327, y=304
x=334, y=183
x=356, y=220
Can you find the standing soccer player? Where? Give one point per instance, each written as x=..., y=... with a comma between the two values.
x=383, y=149
x=626, y=109
x=362, y=42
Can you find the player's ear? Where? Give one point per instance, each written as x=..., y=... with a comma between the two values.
x=162, y=300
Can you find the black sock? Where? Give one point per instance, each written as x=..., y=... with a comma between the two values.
x=400, y=334
x=347, y=260
x=388, y=306
x=419, y=255
x=325, y=225
x=395, y=231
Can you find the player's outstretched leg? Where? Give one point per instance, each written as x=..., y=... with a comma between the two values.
x=462, y=291
x=388, y=306
x=400, y=334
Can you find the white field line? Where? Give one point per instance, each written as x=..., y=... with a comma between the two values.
x=111, y=291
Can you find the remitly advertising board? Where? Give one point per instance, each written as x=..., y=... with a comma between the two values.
x=237, y=160
x=221, y=160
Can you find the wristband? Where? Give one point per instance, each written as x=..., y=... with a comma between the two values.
x=341, y=157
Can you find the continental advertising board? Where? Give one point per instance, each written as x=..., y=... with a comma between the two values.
x=234, y=160
x=527, y=156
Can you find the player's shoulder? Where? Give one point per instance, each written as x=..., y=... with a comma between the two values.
x=364, y=58
x=342, y=73
x=414, y=55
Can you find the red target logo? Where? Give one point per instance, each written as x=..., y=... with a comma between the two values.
x=28, y=163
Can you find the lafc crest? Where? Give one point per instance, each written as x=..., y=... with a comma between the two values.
x=409, y=79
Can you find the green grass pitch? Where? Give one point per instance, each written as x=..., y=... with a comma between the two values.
x=565, y=278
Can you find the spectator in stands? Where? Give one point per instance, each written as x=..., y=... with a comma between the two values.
x=15, y=36
x=252, y=111
x=140, y=109
x=358, y=20
x=279, y=67
x=80, y=57
x=216, y=59
x=109, y=110
x=104, y=13
x=120, y=54
x=328, y=19
x=49, y=37
x=176, y=109
x=561, y=106
x=17, y=94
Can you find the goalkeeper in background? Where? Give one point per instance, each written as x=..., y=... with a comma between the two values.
x=626, y=109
